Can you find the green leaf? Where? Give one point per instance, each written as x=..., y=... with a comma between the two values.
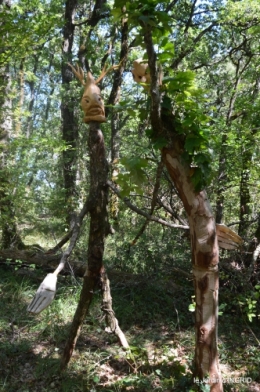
x=96, y=379
x=192, y=142
x=159, y=143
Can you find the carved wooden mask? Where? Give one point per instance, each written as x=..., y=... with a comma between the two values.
x=140, y=71
x=91, y=102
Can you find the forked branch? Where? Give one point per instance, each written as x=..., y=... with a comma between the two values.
x=79, y=73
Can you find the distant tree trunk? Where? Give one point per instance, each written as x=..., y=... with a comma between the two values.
x=244, y=198
x=8, y=226
x=222, y=171
x=247, y=150
x=7, y=222
x=222, y=177
x=115, y=155
x=240, y=67
x=69, y=122
x=30, y=119
x=115, y=118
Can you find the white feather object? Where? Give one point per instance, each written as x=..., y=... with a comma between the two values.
x=44, y=295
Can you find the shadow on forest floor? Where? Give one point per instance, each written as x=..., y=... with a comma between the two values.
x=155, y=318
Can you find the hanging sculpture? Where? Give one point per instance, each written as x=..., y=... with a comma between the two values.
x=141, y=72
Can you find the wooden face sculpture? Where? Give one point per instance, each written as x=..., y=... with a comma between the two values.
x=140, y=71
x=91, y=102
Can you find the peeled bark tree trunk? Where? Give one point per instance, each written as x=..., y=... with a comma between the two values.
x=204, y=244
x=205, y=257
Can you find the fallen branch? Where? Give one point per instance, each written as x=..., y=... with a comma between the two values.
x=30, y=256
x=62, y=242
x=46, y=262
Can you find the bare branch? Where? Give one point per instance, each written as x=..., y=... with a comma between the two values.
x=155, y=72
x=185, y=51
x=104, y=72
x=171, y=5
x=115, y=91
x=188, y=24
x=153, y=218
x=170, y=210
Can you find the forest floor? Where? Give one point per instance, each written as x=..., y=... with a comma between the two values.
x=155, y=317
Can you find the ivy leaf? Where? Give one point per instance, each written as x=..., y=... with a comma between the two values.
x=159, y=143
x=192, y=143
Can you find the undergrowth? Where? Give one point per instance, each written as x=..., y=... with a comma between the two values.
x=152, y=311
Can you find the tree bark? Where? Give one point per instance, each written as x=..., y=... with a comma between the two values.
x=204, y=245
x=115, y=118
x=111, y=320
x=205, y=258
x=7, y=214
x=99, y=228
x=69, y=123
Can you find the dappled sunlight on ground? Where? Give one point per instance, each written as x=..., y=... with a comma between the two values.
x=157, y=324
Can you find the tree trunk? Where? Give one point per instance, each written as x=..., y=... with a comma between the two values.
x=248, y=148
x=7, y=215
x=115, y=118
x=222, y=179
x=244, y=199
x=204, y=245
x=8, y=226
x=99, y=228
x=111, y=320
x=205, y=257
x=69, y=123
